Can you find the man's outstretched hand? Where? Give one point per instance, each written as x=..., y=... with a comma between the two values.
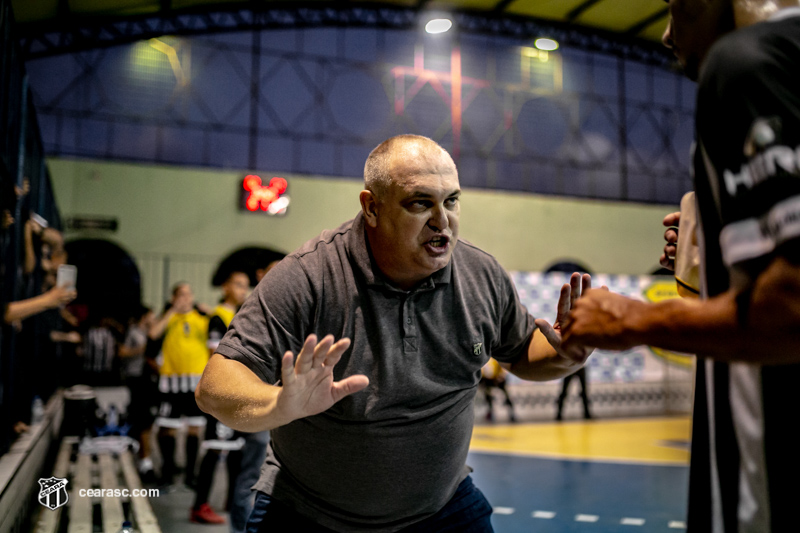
x=570, y=294
x=308, y=387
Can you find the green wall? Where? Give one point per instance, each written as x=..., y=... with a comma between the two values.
x=177, y=211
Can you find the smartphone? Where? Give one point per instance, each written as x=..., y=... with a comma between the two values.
x=39, y=219
x=67, y=276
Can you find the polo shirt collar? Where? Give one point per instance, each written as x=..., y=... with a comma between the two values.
x=365, y=263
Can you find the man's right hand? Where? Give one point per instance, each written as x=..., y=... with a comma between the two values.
x=308, y=387
x=667, y=259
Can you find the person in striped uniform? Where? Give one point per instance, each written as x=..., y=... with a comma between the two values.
x=745, y=55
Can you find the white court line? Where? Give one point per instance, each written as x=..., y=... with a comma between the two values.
x=503, y=510
x=586, y=518
x=632, y=521
x=546, y=515
x=676, y=524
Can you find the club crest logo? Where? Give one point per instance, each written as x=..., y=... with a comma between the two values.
x=477, y=348
x=53, y=492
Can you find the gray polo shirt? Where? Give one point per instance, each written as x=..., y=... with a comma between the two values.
x=394, y=453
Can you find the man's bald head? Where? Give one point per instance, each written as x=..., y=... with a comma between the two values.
x=412, y=150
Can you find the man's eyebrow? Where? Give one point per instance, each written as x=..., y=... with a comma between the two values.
x=425, y=194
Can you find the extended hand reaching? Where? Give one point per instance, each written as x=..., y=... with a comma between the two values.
x=600, y=319
x=570, y=292
x=308, y=386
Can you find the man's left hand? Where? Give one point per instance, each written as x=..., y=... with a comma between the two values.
x=600, y=319
x=570, y=295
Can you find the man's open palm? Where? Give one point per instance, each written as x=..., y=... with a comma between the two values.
x=308, y=386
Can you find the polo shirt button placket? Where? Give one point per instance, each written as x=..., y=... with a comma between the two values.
x=409, y=329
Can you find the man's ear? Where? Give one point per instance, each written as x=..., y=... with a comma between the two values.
x=369, y=205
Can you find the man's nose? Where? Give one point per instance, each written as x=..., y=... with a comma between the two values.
x=438, y=220
x=667, y=37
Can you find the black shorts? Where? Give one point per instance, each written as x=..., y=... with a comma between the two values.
x=144, y=404
x=177, y=407
x=221, y=437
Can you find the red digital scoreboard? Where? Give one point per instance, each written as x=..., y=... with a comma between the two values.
x=258, y=197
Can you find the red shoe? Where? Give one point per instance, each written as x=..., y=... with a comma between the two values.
x=205, y=515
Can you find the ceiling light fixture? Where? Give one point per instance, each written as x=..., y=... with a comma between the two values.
x=545, y=44
x=438, y=25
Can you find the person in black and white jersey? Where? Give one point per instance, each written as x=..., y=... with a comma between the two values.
x=746, y=56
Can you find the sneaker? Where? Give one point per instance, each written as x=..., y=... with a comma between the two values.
x=146, y=472
x=205, y=515
x=145, y=464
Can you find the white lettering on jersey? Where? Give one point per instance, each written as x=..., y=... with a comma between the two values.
x=762, y=167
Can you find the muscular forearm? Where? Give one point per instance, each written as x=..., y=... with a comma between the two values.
x=542, y=362
x=235, y=396
x=760, y=327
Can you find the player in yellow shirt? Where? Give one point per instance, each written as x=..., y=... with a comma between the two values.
x=185, y=332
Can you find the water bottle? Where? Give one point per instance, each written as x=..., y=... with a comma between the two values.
x=113, y=417
x=37, y=410
x=127, y=527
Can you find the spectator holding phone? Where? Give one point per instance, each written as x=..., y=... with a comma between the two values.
x=185, y=332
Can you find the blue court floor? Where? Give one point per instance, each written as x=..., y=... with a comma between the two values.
x=546, y=495
x=604, y=476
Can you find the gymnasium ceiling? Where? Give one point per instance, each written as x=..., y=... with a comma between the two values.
x=635, y=19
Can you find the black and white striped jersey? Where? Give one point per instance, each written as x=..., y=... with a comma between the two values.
x=745, y=463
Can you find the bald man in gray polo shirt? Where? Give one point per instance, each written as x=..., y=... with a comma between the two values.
x=392, y=318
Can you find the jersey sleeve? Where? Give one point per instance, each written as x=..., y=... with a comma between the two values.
x=749, y=133
x=274, y=319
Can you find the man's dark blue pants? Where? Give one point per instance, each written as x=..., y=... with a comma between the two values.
x=468, y=511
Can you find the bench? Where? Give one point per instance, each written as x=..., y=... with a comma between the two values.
x=108, y=470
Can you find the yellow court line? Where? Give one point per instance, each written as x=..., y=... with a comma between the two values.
x=651, y=440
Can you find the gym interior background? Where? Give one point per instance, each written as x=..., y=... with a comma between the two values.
x=137, y=123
